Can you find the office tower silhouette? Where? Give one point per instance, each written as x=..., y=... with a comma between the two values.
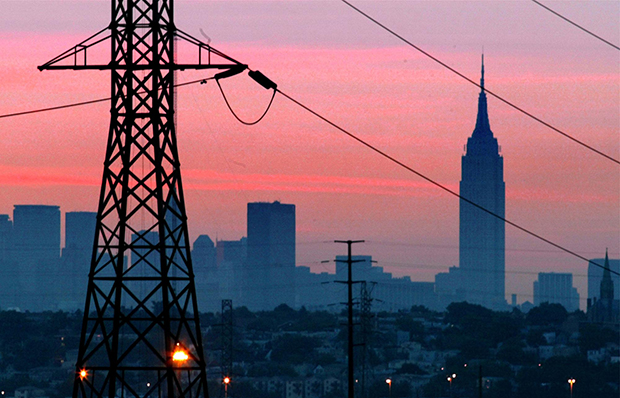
x=482, y=236
x=552, y=287
x=270, y=266
x=36, y=254
x=76, y=257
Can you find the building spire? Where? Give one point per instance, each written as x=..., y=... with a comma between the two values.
x=482, y=74
x=607, y=285
x=483, y=128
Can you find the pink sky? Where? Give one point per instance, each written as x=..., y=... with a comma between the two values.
x=365, y=80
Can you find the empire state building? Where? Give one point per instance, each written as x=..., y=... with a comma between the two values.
x=482, y=236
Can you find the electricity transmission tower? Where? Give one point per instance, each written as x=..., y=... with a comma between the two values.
x=366, y=320
x=227, y=346
x=141, y=334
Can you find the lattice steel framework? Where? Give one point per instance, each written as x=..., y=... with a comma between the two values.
x=141, y=333
x=366, y=320
x=227, y=346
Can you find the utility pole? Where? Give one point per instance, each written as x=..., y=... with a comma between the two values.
x=349, y=261
x=141, y=332
x=227, y=346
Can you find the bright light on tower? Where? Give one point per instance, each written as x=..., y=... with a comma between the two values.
x=226, y=380
x=180, y=355
x=83, y=374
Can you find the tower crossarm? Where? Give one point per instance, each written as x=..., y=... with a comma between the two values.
x=204, y=56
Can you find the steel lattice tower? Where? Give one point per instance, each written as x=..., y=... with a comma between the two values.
x=366, y=320
x=141, y=334
x=227, y=346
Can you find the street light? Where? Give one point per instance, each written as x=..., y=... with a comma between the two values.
x=450, y=378
x=226, y=381
x=571, y=381
x=389, y=383
x=179, y=355
x=83, y=374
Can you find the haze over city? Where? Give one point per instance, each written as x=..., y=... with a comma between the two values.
x=423, y=204
x=367, y=81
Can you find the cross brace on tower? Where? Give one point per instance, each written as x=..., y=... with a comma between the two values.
x=226, y=361
x=141, y=334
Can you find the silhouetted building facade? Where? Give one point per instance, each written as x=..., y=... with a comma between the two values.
x=449, y=287
x=269, y=278
x=206, y=275
x=482, y=236
x=76, y=258
x=606, y=307
x=394, y=293
x=8, y=273
x=36, y=255
x=556, y=288
x=595, y=277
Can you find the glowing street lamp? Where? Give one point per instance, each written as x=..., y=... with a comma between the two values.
x=571, y=381
x=83, y=374
x=389, y=383
x=226, y=381
x=180, y=356
x=450, y=378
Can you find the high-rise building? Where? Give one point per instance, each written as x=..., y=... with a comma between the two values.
x=8, y=273
x=482, y=236
x=76, y=257
x=230, y=258
x=394, y=293
x=6, y=233
x=556, y=288
x=270, y=264
x=206, y=275
x=36, y=253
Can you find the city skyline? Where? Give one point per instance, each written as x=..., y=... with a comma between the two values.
x=410, y=107
x=223, y=269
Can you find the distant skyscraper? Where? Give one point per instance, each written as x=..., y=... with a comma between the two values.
x=76, y=257
x=36, y=244
x=556, y=288
x=203, y=253
x=206, y=276
x=230, y=259
x=271, y=254
x=482, y=236
x=6, y=232
x=8, y=273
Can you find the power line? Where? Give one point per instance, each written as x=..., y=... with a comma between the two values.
x=451, y=69
x=439, y=185
x=444, y=246
x=576, y=25
x=74, y=104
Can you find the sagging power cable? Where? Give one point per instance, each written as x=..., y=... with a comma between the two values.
x=89, y=102
x=461, y=75
x=439, y=185
x=268, y=84
x=258, y=78
x=557, y=14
